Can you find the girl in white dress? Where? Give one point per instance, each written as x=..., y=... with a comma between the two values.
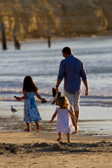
x=64, y=122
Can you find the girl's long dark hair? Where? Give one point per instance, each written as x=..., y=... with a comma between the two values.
x=29, y=85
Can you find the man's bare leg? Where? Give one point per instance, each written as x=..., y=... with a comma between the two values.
x=77, y=119
x=77, y=116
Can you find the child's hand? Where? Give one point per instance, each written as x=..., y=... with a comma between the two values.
x=18, y=98
x=43, y=100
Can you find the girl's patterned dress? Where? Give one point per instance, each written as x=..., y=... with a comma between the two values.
x=31, y=112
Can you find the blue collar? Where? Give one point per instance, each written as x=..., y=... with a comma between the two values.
x=69, y=56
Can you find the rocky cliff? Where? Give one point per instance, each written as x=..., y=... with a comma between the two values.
x=64, y=18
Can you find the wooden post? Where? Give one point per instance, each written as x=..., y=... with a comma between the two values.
x=49, y=39
x=16, y=42
x=4, y=45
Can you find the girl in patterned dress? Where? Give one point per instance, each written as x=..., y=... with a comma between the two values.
x=31, y=112
x=64, y=122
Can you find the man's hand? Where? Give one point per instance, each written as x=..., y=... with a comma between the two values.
x=86, y=92
x=57, y=89
x=57, y=85
x=86, y=86
x=43, y=100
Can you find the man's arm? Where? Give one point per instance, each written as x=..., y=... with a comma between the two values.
x=57, y=84
x=60, y=75
x=86, y=86
x=84, y=78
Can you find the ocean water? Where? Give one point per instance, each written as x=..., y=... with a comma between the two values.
x=42, y=63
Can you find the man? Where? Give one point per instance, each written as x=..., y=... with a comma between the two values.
x=72, y=70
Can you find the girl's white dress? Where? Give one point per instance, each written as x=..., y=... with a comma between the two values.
x=64, y=122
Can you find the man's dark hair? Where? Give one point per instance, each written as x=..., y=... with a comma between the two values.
x=67, y=50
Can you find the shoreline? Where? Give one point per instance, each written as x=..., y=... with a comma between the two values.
x=93, y=120
x=100, y=34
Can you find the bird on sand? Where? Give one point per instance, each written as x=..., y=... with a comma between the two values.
x=13, y=109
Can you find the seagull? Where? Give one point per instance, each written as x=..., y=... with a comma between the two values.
x=13, y=109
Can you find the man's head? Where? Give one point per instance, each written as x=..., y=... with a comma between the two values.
x=66, y=51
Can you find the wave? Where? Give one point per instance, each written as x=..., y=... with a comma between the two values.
x=49, y=93
x=99, y=70
x=93, y=102
x=10, y=91
x=96, y=103
x=93, y=50
x=19, y=91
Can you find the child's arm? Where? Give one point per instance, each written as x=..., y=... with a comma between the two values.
x=23, y=97
x=53, y=117
x=72, y=115
x=74, y=118
x=42, y=99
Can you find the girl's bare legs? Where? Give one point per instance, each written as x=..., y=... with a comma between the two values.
x=59, y=134
x=37, y=126
x=68, y=137
x=28, y=127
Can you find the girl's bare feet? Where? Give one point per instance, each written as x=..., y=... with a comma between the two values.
x=59, y=135
x=27, y=130
x=68, y=137
x=58, y=139
x=37, y=126
x=37, y=129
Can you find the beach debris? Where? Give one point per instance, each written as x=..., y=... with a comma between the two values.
x=4, y=44
x=12, y=148
x=16, y=41
x=49, y=38
x=56, y=147
x=92, y=147
x=44, y=144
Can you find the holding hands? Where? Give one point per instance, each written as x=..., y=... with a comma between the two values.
x=20, y=98
x=43, y=100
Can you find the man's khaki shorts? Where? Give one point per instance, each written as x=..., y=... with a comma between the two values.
x=73, y=100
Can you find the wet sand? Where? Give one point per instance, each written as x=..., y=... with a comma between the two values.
x=93, y=120
x=22, y=149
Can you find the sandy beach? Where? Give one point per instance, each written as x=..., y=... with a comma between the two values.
x=92, y=147
x=32, y=150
